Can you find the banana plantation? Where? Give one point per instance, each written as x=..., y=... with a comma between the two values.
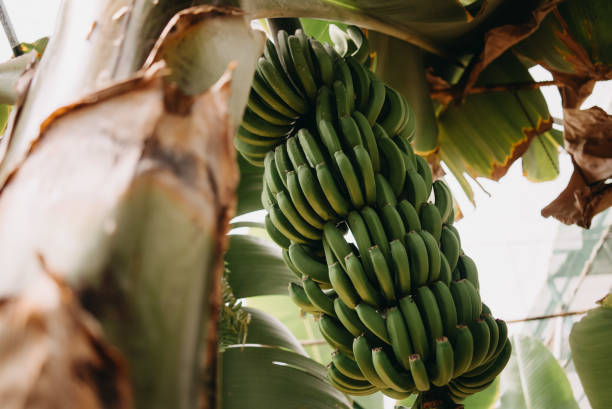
x=309, y=204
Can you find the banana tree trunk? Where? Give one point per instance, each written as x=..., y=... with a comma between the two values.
x=116, y=187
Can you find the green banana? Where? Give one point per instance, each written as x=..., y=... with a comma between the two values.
x=430, y=220
x=351, y=136
x=271, y=176
x=369, y=139
x=392, y=221
x=384, y=193
x=335, y=198
x=259, y=126
x=476, y=302
x=304, y=73
x=366, y=174
x=329, y=137
x=363, y=48
x=309, y=59
x=373, y=321
x=415, y=190
x=446, y=305
x=343, y=103
x=409, y=215
x=399, y=336
x=307, y=264
x=396, y=395
x=463, y=301
x=416, y=328
x=313, y=194
x=363, y=356
x=347, y=381
x=335, y=334
x=324, y=106
x=376, y=230
x=284, y=226
x=455, y=231
x=286, y=67
x=296, y=156
x=396, y=112
x=299, y=298
x=246, y=141
x=468, y=270
x=347, y=366
x=492, y=372
x=301, y=226
x=275, y=235
x=494, y=332
x=282, y=162
x=351, y=391
x=445, y=271
x=337, y=243
x=361, y=83
x=289, y=263
x=300, y=202
x=444, y=199
x=376, y=101
x=311, y=148
x=383, y=274
x=486, y=309
x=430, y=313
x=362, y=284
x=350, y=179
x=419, y=373
x=343, y=286
x=275, y=80
x=444, y=364
x=503, y=336
x=449, y=247
x=422, y=167
x=401, y=266
x=482, y=339
x=393, y=166
x=318, y=298
x=409, y=156
x=433, y=255
x=269, y=96
x=342, y=73
x=419, y=259
x=394, y=379
x=349, y=318
x=463, y=348
x=325, y=64
x=256, y=152
x=362, y=239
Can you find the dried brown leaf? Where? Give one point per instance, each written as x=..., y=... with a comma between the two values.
x=53, y=354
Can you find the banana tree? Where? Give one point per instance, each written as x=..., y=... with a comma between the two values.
x=119, y=178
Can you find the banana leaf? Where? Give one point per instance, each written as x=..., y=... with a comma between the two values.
x=486, y=399
x=541, y=160
x=256, y=267
x=248, y=192
x=319, y=29
x=590, y=344
x=534, y=379
x=257, y=377
x=267, y=330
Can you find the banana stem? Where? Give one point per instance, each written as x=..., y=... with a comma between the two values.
x=287, y=24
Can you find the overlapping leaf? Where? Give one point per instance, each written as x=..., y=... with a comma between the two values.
x=267, y=330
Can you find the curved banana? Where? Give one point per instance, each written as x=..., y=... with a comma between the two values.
x=463, y=301
x=444, y=364
x=363, y=356
x=384, y=193
x=376, y=230
x=376, y=101
x=351, y=136
x=446, y=305
x=347, y=381
x=419, y=259
x=392, y=221
x=343, y=286
x=282, y=163
x=311, y=148
x=433, y=255
x=396, y=112
x=445, y=272
x=449, y=247
x=337, y=243
x=369, y=140
x=335, y=334
x=366, y=174
x=383, y=274
x=392, y=162
x=463, y=348
x=275, y=235
x=343, y=103
x=324, y=106
x=362, y=284
x=335, y=198
x=430, y=313
x=430, y=220
x=289, y=263
x=399, y=336
x=373, y=321
x=476, y=302
x=313, y=193
x=301, y=203
x=259, y=126
x=482, y=339
x=329, y=137
x=362, y=239
x=350, y=179
x=307, y=264
x=443, y=199
x=468, y=270
x=419, y=373
x=299, y=298
x=494, y=332
x=425, y=171
x=414, y=189
x=301, y=226
x=349, y=318
x=347, y=366
x=296, y=156
x=284, y=226
x=343, y=74
x=275, y=80
x=409, y=215
x=271, y=176
x=492, y=372
x=416, y=328
x=325, y=64
x=400, y=382
x=304, y=73
x=401, y=267
x=318, y=298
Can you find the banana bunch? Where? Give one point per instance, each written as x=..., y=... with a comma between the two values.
x=380, y=265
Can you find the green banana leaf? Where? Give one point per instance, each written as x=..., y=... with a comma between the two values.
x=541, y=160
x=248, y=192
x=486, y=399
x=489, y=131
x=267, y=330
x=256, y=267
x=302, y=326
x=579, y=29
x=319, y=29
x=375, y=401
x=534, y=379
x=258, y=377
x=590, y=341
